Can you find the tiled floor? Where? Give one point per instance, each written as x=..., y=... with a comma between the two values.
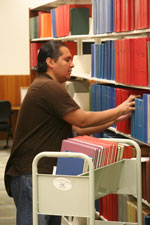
x=7, y=207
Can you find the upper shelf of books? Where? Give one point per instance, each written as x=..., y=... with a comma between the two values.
x=47, y=4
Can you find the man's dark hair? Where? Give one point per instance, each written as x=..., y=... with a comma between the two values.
x=49, y=49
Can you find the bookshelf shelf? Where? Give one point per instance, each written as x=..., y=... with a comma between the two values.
x=105, y=81
x=128, y=136
x=48, y=4
x=108, y=36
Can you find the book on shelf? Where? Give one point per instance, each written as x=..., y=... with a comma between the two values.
x=34, y=27
x=79, y=21
x=103, y=60
x=53, y=19
x=117, y=17
x=120, y=16
x=46, y=25
x=103, y=11
x=34, y=48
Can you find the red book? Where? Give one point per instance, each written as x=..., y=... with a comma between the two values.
x=123, y=15
x=117, y=4
x=34, y=48
x=140, y=61
x=131, y=61
x=110, y=148
x=115, y=207
x=126, y=124
x=144, y=14
x=130, y=11
x=117, y=60
x=118, y=102
x=115, y=15
x=61, y=21
x=127, y=153
x=123, y=65
x=131, y=4
x=127, y=68
x=72, y=47
x=137, y=14
x=58, y=21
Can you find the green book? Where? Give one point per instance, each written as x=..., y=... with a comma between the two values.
x=90, y=99
x=148, y=52
x=79, y=21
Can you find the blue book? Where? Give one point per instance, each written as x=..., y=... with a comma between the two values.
x=133, y=124
x=141, y=119
x=108, y=75
x=99, y=62
x=136, y=118
x=102, y=17
x=112, y=60
x=99, y=97
x=145, y=118
x=94, y=16
x=102, y=60
x=105, y=62
x=109, y=16
x=98, y=17
x=52, y=11
x=148, y=118
x=69, y=166
x=96, y=58
x=93, y=59
x=104, y=104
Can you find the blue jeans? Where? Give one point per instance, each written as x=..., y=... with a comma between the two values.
x=21, y=188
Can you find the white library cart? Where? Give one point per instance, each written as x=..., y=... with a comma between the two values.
x=75, y=195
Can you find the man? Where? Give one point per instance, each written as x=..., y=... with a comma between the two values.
x=47, y=116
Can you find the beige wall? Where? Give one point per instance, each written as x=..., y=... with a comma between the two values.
x=14, y=37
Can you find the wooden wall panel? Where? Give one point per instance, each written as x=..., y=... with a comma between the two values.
x=10, y=87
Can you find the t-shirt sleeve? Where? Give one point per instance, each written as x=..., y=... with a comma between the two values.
x=58, y=100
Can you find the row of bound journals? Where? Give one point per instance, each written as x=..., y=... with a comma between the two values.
x=119, y=16
x=102, y=152
x=62, y=21
x=125, y=61
x=104, y=97
x=122, y=208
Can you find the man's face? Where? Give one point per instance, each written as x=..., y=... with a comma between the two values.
x=63, y=66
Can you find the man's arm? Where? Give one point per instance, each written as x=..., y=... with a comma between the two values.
x=82, y=119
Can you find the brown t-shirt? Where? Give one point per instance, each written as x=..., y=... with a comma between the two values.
x=40, y=126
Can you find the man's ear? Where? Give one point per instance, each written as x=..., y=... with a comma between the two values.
x=50, y=62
